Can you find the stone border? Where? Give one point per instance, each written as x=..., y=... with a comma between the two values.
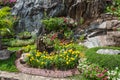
x=45, y=72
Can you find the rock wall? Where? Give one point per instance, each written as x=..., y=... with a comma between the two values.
x=32, y=11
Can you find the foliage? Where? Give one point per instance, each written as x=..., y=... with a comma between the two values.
x=114, y=9
x=24, y=35
x=92, y=71
x=28, y=48
x=95, y=72
x=8, y=65
x=6, y=22
x=56, y=24
x=19, y=43
x=53, y=23
x=64, y=59
x=103, y=60
x=81, y=20
x=114, y=74
x=68, y=34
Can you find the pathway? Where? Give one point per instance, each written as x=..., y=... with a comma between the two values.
x=21, y=76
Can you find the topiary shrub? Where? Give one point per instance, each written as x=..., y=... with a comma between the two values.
x=104, y=60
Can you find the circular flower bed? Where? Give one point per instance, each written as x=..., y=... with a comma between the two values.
x=61, y=62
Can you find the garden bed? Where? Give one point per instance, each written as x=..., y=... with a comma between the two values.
x=45, y=72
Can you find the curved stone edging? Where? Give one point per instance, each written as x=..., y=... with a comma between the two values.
x=45, y=72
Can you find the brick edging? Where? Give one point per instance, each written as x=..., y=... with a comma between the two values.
x=45, y=72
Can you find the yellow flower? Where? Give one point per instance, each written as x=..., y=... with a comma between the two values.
x=37, y=60
x=72, y=59
x=77, y=51
x=42, y=62
x=65, y=52
x=70, y=50
x=73, y=52
x=32, y=58
x=28, y=55
x=67, y=62
x=38, y=54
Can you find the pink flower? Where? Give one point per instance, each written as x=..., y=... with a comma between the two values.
x=104, y=71
x=100, y=75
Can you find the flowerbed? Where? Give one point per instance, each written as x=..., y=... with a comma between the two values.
x=66, y=58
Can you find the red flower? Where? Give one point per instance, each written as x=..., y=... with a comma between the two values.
x=100, y=75
x=54, y=36
x=104, y=71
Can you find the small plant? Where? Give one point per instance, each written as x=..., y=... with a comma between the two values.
x=53, y=23
x=81, y=20
x=68, y=34
x=24, y=35
x=82, y=37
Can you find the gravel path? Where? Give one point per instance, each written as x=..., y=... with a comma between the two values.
x=21, y=76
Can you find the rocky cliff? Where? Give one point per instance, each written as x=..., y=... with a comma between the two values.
x=32, y=11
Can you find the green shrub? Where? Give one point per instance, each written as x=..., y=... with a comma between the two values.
x=104, y=60
x=53, y=23
x=19, y=43
x=6, y=22
x=24, y=35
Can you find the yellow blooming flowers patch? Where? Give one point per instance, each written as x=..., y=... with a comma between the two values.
x=67, y=58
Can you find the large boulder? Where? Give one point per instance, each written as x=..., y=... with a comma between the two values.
x=108, y=51
x=105, y=33
x=5, y=54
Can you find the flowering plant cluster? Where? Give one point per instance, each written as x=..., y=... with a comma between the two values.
x=65, y=58
x=92, y=71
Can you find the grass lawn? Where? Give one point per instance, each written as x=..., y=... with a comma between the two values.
x=103, y=60
x=9, y=64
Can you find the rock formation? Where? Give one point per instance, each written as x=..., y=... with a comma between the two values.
x=32, y=11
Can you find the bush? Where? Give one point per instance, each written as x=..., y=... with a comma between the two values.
x=6, y=22
x=104, y=60
x=61, y=23
x=24, y=35
x=53, y=23
x=19, y=43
